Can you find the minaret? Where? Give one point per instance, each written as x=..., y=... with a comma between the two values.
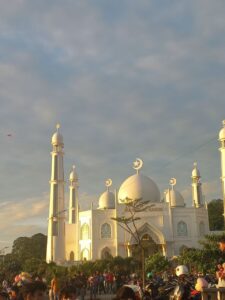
x=56, y=221
x=222, y=150
x=73, y=204
x=196, y=187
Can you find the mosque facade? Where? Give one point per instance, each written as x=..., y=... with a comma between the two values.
x=167, y=227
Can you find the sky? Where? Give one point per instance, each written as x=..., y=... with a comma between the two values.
x=125, y=79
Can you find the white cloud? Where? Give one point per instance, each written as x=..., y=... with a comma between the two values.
x=127, y=80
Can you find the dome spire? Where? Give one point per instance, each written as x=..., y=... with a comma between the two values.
x=173, y=182
x=138, y=164
x=108, y=183
x=57, y=138
x=58, y=126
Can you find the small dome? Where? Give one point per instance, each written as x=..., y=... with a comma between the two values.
x=73, y=175
x=106, y=200
x=176, y=199
x=57, y=139
x=139, y=186
x=222, y=134
x=195, y=171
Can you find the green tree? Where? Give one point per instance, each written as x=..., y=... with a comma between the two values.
x=215, y=211
x=156, y=263
x=205, y=259
x=30, y=247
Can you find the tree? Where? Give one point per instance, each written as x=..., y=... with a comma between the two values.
x=215, y=211
x=128, y=223
x=157, y=263
x=205, y=259
x=30, y=247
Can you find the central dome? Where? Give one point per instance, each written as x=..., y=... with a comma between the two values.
x=138, y=186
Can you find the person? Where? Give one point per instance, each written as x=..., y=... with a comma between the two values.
x=35, y=290
x=220, y=274
x=125, y=293
x=183, y=289
x=55, y=288
x=222, y=244
x=13, y=292
x=68, y=293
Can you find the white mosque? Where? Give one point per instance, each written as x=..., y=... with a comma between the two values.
x=92, y=234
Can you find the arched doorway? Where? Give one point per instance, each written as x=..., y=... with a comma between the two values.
x=151, y=240
x=85, y=254
x=71, y=256
x=106, y=253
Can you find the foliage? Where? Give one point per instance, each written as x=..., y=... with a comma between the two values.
x=30, y=247
x=205, y=259
x=157, y=263
x=215, y=211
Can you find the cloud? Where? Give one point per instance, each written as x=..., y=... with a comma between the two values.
x=23, y=218
x=127, y=80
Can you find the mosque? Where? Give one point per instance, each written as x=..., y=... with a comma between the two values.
x=92, y=234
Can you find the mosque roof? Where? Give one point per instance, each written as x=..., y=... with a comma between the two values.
x=176, y=199
x=106, y=200
x=195, y=171
x=139, y=186
x=57, y=139
x=222, y=132
x=73, y=175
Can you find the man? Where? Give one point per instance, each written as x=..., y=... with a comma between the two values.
x=55, y=288
x=222, y=244
x=35, y=290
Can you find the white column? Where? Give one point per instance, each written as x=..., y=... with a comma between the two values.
x=56, y=221
x=222, y=151
x=196, y=187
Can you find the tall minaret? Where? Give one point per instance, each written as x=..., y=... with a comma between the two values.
x=196, y=187
x=56, y=222
x=73, y=204
x=222, y=150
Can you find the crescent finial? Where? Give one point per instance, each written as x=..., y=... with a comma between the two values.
x=138, y=164
x=173, y=182
x=108, y=182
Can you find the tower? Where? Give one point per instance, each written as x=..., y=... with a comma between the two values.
x=196, y=187
x=56, y=221
x=222, y=151
x=73, y=204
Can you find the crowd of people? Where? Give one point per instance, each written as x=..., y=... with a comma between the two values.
x=163, y=285
x=171, y=284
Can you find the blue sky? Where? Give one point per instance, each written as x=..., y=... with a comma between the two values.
x=125, y=79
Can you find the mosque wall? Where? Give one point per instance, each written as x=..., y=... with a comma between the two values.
x=70, y=241
x=104, y=240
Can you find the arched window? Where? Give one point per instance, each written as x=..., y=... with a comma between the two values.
x=84, y=232
x=106, y=253
x=201, y=229
x=182, y=229
x=85, y=254
x=71, y=256
x=106, y=231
